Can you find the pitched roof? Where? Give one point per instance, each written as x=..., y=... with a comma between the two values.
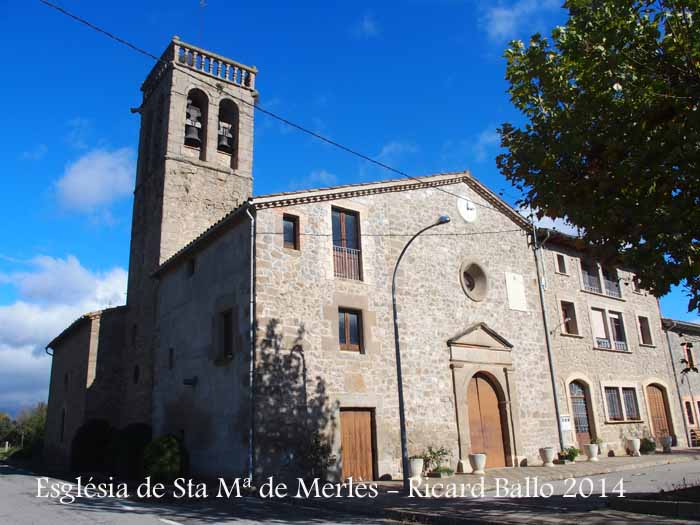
x=79, y=321
x=276, y=200
x=680, y=326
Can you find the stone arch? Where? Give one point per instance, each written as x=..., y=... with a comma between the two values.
x=488, y=417
x=656, y=382
x=587, y=384
x=228, y=130
x=196, y=119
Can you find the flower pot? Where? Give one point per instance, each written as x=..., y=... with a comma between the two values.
x=477, y=462
x=415, y=468
x=666, y=443
x=633, y=446
x=603, y=449
x=547, y=455
x=591, y=451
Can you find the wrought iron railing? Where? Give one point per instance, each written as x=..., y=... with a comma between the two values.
x=603, y=342
x=591, y=283
x=620, y=345
x=347, y=263
x=612, y=288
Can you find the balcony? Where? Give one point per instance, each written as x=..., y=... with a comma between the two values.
x=591, y=283
x=347, y=263
x=620, y=345
x=612, y=288
x=603, y=342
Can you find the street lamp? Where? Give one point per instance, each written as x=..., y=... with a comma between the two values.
x=444, y=219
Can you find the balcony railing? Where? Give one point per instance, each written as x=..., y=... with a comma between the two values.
x=620, y=345
x=347, y=263
x=603, y=342
x=591, y=283
x=612, y=288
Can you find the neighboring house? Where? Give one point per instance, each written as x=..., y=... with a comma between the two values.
x=291, y=293
x=614, y=374
x=684, y=342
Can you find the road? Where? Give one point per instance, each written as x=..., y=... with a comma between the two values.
x=20, y=506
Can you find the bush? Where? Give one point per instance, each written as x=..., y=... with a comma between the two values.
x=571, y=453
x=315, y=457
x=165, y=459
x=433, y=458
x=647, y=446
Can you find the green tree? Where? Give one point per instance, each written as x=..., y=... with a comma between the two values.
x=6, y=427
x=611, y=138
x=31, y=424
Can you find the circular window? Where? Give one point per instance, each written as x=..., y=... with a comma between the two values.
x=474, y=282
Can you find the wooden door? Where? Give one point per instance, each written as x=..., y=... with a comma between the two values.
x=659, y=416
x=579, y=406
x=357, y=447
x=486, y=421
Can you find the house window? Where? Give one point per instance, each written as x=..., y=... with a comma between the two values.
x=645, y=331
x=350, y=330
x=569, y=323
x=191, y=266
x=608, y=330
x=347, y=256
x=290, y=226
x=631, y=406
x=689, y=358
x=612, y=398
x=635, y=285
x=171, y=358
x=65, y=381
x=590, y=276
x=561, y=263
x=611, y=282
x=227, y=332
x=137, y=374
x=689, y=413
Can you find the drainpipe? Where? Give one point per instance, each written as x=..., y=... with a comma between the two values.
x=548, y=341
x=251, y=366
x=678, y=387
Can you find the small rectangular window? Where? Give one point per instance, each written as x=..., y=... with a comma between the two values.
x=631, y=406
x=171, y=358
x=561, y=263
x=645, y=330
x=350, y=330
x=612, y=398
x=689, y=358
x=227, y=332
x=191, y=266
x=569, y=323
x=689, y=413
x=291, y=231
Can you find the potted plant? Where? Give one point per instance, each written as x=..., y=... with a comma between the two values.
x=633, y=445
x=547, y=455
x=477, y=462
x=647, y=446
x=591, y=450
x=570, y=454
x=441, y=472
x=602, y=446
x=415, y=467
x=434, y=459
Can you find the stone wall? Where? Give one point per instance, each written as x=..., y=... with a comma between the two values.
x=212, y=412
x=689, y=382
x=297, y=312
x=577, y=359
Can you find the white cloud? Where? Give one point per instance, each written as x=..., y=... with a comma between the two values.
x=78, y=132
x=560, y=223
x=395, y=148
x=485, y=141
x=367, y=27
x=506, y=21
x=38, y=152
x=52, y=294
x=97, y=179
x=315, y=179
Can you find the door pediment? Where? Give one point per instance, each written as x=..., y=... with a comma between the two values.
x=480, y=344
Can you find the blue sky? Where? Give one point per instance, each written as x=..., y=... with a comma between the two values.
x=418, y=85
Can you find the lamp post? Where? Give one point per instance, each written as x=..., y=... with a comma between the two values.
x=444, y=219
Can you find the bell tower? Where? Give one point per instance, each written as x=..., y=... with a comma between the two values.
x=194, y=166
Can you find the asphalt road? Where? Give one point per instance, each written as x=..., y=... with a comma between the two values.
x=20, y=506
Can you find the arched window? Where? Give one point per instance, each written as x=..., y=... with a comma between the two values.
x=227, y=140
x=196, y=121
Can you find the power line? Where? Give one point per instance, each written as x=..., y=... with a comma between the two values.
x=257, y=107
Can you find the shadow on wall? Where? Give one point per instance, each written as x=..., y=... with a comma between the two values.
x=294, y=418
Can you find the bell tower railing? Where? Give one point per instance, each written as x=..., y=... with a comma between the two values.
x=203, y=61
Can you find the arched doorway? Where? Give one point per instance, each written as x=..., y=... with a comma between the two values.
x=487, y=420
x=658, y=412
x=581, y=411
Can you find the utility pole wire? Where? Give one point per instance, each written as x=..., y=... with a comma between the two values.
x=269, y=113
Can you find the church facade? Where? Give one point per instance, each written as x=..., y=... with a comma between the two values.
x=253, y=323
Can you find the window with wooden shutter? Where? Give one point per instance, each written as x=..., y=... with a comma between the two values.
x=350, y=330
x=689, y=412
x=645, y=331
x=568, y=311
x=561, y=263
x=612, y=399
x=347, y=255
x=629, y=395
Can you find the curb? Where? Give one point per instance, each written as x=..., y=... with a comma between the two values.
x=672, y=509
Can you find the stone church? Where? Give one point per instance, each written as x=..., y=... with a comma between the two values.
x=254, y=321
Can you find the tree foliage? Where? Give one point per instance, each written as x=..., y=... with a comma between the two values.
x=611, y=138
